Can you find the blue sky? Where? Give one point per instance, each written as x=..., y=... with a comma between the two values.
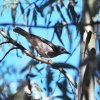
x=19, y=63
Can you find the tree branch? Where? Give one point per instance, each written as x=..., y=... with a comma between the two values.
x=39, y=26
x=37, y=57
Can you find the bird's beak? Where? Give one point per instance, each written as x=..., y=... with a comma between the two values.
x=68, y=52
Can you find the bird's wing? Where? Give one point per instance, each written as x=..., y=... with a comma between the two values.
x=25, y=34
x=47, y=42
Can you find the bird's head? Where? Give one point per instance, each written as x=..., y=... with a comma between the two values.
x=62, y=50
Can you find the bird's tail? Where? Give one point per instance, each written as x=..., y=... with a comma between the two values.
x=21, y=31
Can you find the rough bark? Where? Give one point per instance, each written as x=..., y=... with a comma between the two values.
x=87, y=71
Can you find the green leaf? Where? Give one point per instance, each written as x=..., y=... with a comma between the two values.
x=22, y=10
x=13, y=7
x=13, y=13
x=30, y=4
x=4, y=6
x=58, y=31
x=14, y=4
x=49, y=12
x=28, y=13
x=58, y=9
x=21, y=7
x=34, y=18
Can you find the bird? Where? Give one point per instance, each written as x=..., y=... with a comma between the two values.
x=44, y=47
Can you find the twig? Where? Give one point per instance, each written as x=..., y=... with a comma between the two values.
x=8, y=52
x=3, y=42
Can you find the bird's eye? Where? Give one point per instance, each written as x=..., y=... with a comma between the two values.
x=63, y=49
